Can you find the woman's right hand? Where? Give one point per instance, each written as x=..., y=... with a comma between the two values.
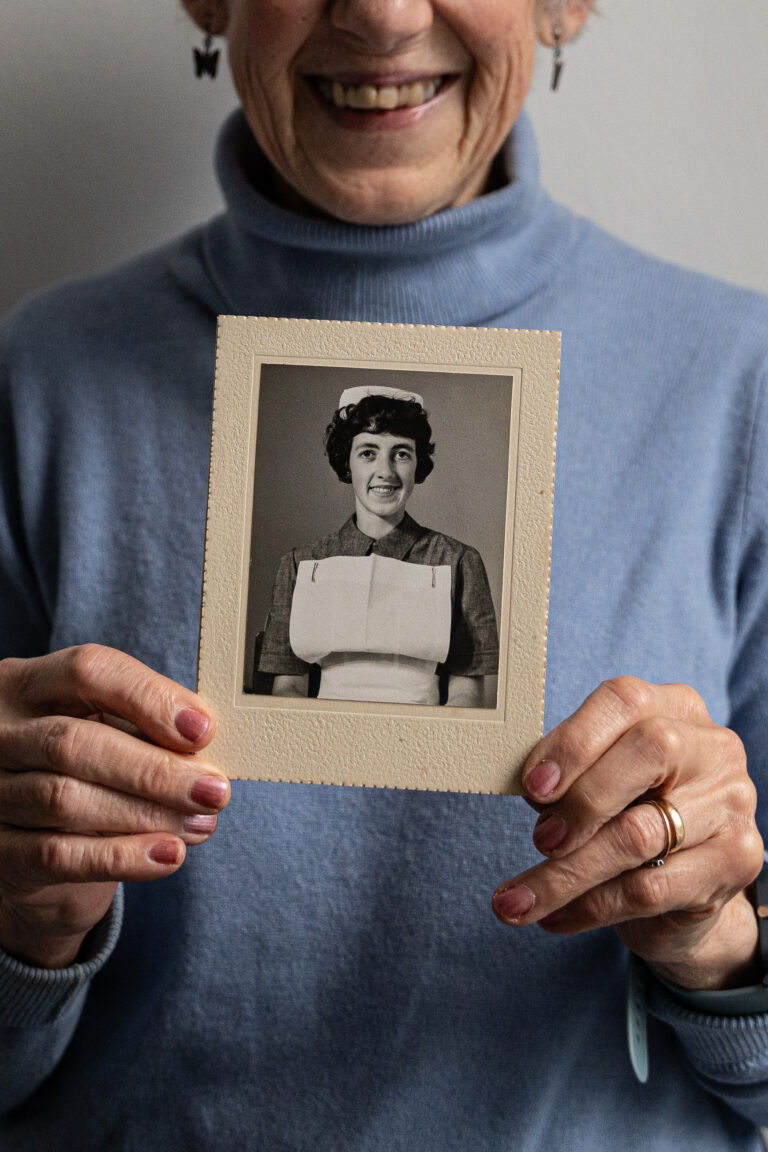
x=98, y=783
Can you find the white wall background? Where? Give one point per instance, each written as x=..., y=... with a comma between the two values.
x=659, y=132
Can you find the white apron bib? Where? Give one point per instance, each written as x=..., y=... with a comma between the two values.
x=378, y=627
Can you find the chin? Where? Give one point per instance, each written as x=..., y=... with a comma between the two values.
x=377, y=200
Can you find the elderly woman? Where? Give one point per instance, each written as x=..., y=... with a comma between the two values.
x=325, y=972
x=385, y=607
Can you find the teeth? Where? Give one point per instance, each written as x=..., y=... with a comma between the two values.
x=366, y=97
x=387, y=98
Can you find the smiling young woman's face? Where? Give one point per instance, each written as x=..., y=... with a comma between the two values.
x=383, y=472
x=381, y=111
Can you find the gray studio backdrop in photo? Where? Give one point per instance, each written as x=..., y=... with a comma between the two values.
x=298, y=497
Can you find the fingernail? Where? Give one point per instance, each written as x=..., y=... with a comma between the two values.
x=164, y=852
x=543, y=779
x=550, y=833
x=191, y=725
x=208, y=792
x=200, y=823
x=513, y=903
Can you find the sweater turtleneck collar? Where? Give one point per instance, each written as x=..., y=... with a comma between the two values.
x=464, y=265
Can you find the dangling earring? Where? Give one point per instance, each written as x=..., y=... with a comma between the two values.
x=557, y=59
x=205, y=60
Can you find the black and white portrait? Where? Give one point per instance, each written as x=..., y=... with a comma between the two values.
x=378, y=539
x=379, y=514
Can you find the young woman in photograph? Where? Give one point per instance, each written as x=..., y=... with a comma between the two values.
x=385, y=607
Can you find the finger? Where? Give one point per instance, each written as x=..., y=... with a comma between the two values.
x=116, y=722
x=691, y=886
x=635, y=836
x=92, y=678
x=47, y=800
x=103, y=755
x=611, y=710
x=30, y=860
x=656, y=755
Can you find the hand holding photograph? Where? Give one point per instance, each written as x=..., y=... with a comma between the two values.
x=377, y=552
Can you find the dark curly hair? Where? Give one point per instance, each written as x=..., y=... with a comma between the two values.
x=379, y=414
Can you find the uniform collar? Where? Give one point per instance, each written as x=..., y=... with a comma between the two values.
x=396, y=544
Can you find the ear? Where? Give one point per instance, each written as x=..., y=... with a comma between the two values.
x=567, y=16
x=209, y=15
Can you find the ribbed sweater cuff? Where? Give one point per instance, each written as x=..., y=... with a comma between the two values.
x=32, y=997
x=722, y=1047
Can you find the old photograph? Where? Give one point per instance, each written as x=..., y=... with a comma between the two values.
x=378, y=539
x=379, y=514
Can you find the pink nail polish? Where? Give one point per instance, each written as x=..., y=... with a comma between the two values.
x=208, y=792
x=200, y=823
x=164, y=852
x=191, y=725
x=512, y=903
x=543, y=779
x=550, y=833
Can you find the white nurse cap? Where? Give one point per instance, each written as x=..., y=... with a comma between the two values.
x=355, y=395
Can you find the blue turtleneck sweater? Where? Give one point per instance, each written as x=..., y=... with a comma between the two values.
x=326, y=973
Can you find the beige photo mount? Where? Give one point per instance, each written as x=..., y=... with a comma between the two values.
x=355, y=743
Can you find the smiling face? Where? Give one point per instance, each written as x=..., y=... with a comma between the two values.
x=380, y=111
x=383, y=471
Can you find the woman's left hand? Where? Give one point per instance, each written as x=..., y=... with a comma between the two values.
x=632, y=741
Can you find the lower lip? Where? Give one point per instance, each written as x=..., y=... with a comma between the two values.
x=380, y=121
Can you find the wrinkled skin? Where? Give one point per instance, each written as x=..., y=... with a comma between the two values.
x=441, y=157
x=689, y=919
x=98, y=783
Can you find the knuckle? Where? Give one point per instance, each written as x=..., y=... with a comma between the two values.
x=750, y=854
x=159, y=699
x=156, y=818
x=59, y=748
x=633, y=695
x=156, y=774
x=149, y=690
x=589, y=804
x=690, y=699
x=735, y=751
x=568, y=878
x=576, y=741
x=81, y=859
x=115, y=859
x=602, y=904
x=742, y=796
x=637, y=834
x=659, y=739
x=58, y=801
x=55, y=856
x=39, y=794
x=86, y=663
x=648, y=890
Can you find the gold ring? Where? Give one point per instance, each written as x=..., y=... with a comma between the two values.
x=673, y=827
